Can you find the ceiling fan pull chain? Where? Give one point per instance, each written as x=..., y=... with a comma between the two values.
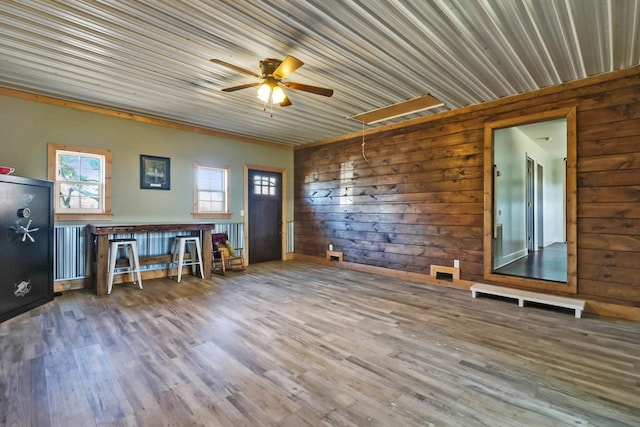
x=363, y=156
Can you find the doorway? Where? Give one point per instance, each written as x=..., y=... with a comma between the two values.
x=530, y=204
x=264, y=194
x=540, y=208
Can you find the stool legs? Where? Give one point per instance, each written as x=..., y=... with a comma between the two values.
x=136, y=264
x=113, y=256
x=199, y=252
x=174, y=255
x=177, y=260
x=181, y=258
x=131, y=246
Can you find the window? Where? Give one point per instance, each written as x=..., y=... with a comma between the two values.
x=265, y=185
x=82, y=178
x=211, y=191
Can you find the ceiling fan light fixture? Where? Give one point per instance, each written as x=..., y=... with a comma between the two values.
x=264, y=92
x=271, y=88
x=277, y=95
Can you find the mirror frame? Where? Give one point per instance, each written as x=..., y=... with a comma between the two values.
x=571, y=286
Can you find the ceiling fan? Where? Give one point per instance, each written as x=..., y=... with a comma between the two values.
x=273, y=71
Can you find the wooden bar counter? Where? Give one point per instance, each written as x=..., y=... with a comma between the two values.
x=99, y=245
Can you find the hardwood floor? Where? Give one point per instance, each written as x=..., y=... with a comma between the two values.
x=299, y=344
x=548, y=263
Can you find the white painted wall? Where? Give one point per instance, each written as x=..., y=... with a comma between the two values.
x=509, y=158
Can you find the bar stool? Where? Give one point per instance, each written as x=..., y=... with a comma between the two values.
x=131, y=247
x=179, y=248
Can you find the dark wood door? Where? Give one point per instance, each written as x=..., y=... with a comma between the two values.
x=265, y=216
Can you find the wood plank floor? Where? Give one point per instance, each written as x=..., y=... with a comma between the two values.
x=548, y=263
x=299, y=344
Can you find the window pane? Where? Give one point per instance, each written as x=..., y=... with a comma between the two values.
x=79, y=196
x=211, y=206
x=90, y=169
x=264, y=185
x=204, y=184
x=68, y=167
x=75, y=173
x=210, y=184
x=211, y=189
x=209, y=196
x=210, y=179
x=80, y=181
x=81, y=168
x=212, y=174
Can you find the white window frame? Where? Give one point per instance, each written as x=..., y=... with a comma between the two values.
x=198, y=212
x=104, y=209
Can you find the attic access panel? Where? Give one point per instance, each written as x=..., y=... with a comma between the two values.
x=399, y=109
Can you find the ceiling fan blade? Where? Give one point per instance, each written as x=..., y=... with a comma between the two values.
x=307, y=88
x=286, y=102
x=235, y=67
x=248, y=85
x=288, y=66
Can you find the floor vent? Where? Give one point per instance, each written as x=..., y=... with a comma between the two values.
x=442, y=272
x=441, y=275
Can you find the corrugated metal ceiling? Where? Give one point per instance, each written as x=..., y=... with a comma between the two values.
x=151, y=57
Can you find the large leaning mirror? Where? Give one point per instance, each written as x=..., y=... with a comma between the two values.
x=530, y=201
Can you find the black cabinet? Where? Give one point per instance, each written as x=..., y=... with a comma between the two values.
x=26, y=244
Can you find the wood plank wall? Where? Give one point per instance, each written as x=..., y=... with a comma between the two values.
x=419, y=199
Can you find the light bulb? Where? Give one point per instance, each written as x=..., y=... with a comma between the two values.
x=264, y=91
x=277, y=95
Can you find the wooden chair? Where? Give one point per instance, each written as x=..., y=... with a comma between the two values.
x=217, y=262
x=223, y=260
x=232, y=262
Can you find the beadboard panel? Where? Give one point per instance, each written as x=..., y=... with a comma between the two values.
x=415, y=198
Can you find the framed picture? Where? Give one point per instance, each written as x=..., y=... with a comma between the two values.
x=155, y=172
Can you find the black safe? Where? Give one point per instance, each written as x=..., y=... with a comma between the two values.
x=26, y=244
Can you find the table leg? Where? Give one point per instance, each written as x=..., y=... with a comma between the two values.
x=207, y=252
x=102, y=258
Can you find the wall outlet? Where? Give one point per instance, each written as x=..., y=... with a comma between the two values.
x=456, y=263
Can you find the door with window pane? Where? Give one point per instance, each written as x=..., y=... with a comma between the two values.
x=265, y=216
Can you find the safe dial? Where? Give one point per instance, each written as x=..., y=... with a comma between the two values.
x=24, y=213
x=26, y=232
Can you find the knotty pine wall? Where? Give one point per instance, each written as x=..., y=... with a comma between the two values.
x=419, y=200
